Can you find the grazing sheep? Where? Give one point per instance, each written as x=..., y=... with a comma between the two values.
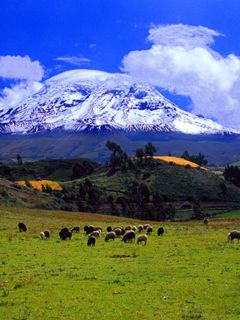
x=91, y=242
x=145, y=226
x=98, y=228
x=129, y=236
x=233, y=235
x=118, y=232
x=134, y=228
x=95, y=234
x=205, y=221
x=160, y=231
x=117, y=228
x=110, y=235
x=123, y=231
x=75, y=229
x=45, y=235
x=90, y=229
x=140, y=228
x=149, y=230
x=128, y=228
x=22, y=227
x=109, y=229
x=142, y=238
x=65, y=234
x=64, y=230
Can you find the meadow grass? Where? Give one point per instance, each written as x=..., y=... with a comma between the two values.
x=191, y=272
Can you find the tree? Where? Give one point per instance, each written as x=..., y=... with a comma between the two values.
x=150, y=150
x=19, y=160
x=200, y=158
x=232, y=174
x=140, y=154
x=77, y=171
x=186, y=155
x=118, y=158
x=197, y=211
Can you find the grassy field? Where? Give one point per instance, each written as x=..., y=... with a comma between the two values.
x=189, y=273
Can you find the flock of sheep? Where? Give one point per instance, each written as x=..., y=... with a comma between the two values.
x=128, y=234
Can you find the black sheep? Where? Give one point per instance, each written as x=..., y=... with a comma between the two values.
x=160, y=231
x=65, y=234
x=109, y=229
x=91, y=241
x=22, y=227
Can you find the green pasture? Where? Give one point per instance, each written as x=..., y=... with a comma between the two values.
x=189, y=273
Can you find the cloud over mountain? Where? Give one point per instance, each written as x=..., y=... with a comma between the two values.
x=28, y=73
x=22, y=68
x=182, y=61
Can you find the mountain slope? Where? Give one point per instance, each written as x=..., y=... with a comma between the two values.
x=86, y=100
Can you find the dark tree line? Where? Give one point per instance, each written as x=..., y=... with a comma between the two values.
x=198, y=158
x=232, y=174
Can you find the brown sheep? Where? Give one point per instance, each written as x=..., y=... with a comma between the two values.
x=140, y=228
x=110, y=236
x=123, y=231
x=233, y=235
x=134, y=228
x=142, y=238
x=205, y=221
x=75, y=229
x=127, y=228
x=149, y=230
x=145, y=226
x=118, y=232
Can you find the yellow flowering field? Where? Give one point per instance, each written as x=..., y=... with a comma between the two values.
x=38, y=184
x=178, y=161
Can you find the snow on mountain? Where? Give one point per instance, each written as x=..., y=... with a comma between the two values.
x=81, y=100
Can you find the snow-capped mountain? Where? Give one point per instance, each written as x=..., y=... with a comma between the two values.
x=81, y=100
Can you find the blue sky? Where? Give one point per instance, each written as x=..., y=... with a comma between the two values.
x=97, y=34
x=105, y=30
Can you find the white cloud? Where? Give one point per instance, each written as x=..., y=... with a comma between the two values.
x=23, y=68
x=16, y=94
x=29, y=72
x=77, y=61
x=180, y=60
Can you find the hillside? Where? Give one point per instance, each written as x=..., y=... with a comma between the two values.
x=147, y=189
x=151, y=190
x=170, y=180
x=11, y=194
x=59, y=170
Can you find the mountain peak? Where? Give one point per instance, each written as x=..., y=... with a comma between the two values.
x=80, y=100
